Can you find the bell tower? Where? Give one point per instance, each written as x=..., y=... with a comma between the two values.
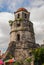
x=22, y=33
x=22, y=27
x=22, y=37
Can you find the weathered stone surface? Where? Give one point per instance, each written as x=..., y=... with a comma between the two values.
x=22, y=37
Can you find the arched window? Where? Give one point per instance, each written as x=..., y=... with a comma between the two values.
x=25, y=15
x=18, y=16
x=30, y=53
x=29, y=25
x=18, y=37
x=18, y=24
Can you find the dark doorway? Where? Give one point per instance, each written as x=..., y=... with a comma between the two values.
x=18, y=37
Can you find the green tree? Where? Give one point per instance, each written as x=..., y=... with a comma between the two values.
x=17, y=63
x=39, y=56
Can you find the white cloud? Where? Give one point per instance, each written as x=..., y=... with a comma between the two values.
x=13, y=4
x=37, y=3
x=37, y=17
x=38, y=13
x=5, y=29
x=1, y=34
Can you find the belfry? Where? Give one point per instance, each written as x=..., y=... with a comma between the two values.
x=22, y=37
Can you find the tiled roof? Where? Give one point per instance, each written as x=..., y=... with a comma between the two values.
x=21, y=9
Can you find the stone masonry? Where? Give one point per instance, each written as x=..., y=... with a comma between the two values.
x=22, y=37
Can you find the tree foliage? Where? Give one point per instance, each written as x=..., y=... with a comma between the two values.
x=17, y=63
x=39, y=56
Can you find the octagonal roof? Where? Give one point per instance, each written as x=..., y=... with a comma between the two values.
x=21, y=9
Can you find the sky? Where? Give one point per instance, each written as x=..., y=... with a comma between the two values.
x=7, y=9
